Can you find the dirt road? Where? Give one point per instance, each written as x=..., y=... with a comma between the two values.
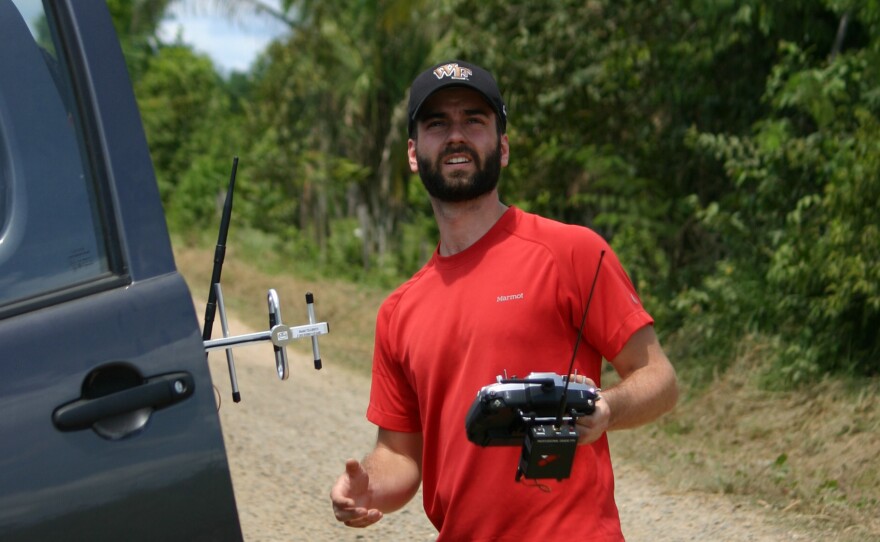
x=288, y=441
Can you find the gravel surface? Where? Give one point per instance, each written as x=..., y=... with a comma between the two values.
x=288, y=441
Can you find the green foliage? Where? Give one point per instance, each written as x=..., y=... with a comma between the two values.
x=727, y=150
x=808, y=187
x=625, y=126
x=136, y=22
x=178, y=96
x=328, y=119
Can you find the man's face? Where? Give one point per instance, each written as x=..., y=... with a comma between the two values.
x=458, y=153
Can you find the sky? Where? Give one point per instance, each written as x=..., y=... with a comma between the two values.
x=232, y=45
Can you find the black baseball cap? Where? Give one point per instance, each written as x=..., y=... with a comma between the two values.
x=455, y=73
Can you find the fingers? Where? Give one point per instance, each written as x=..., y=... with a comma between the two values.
x=366, y=519
x=357, y=517
x=581, y=379
x=350, y=497
x=353, y=468
x=343, y=494
x=591, y=428
x=339, y=495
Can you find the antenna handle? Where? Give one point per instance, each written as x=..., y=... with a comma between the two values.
x=230, y=360
x=281, y=363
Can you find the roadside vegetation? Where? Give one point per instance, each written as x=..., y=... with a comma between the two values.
x=808, y=455
x=727, y=150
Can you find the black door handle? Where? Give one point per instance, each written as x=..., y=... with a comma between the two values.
x=157, y=392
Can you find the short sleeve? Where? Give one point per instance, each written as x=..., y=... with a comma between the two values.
x=393, y=401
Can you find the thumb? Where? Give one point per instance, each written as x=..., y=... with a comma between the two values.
x=358, y=478
x=350, y=484
x=354, y=469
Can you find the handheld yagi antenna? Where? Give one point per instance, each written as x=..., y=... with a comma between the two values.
x=279, y=334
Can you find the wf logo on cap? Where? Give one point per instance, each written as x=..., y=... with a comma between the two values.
x=454, y=71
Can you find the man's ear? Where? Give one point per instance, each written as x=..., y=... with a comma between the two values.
x=411, y=152
x=505, y=150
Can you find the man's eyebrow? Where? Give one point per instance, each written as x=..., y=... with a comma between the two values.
x=437, y=114
x=429, y=115
x=477, y=111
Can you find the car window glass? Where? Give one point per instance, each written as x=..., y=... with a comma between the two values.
x=51, y=238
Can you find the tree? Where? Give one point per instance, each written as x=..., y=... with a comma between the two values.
x=333, y=96
x=136, y=22
x=799, y=224
x=190, y=114
x=179, y=95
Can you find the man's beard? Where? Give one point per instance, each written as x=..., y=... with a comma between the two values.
x=481, y=182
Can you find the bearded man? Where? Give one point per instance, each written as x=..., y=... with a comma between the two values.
x=504, y=292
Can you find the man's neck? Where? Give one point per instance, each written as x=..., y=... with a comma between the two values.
x=462, y=224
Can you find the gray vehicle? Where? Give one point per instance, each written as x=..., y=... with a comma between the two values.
x=108, y=422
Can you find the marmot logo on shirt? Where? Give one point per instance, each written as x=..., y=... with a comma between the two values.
x=514, y=297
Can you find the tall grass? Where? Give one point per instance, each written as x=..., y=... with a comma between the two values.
x=809, y=456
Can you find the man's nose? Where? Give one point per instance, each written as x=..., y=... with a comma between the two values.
x=456, y=132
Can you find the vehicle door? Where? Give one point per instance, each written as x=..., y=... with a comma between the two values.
x=108, y=422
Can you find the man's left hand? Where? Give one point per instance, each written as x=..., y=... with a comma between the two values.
x=590, y=428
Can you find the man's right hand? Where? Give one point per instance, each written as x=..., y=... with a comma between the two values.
x=351, y=497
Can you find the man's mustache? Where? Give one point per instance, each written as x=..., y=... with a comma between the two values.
x=460, y=149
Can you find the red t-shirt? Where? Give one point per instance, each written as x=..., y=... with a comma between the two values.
x=512, y=302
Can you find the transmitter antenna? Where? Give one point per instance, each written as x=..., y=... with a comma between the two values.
x=563, y=401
